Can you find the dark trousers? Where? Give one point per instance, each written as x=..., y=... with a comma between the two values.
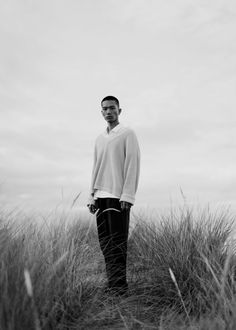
x=113, y=228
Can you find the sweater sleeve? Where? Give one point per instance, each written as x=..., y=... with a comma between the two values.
x=91, y=191
x=131, y=168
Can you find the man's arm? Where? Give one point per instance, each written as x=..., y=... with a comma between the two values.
x=91, y=202
x=131, y=169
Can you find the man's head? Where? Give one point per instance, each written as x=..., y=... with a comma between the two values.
x=110, y=109
x=111, y=98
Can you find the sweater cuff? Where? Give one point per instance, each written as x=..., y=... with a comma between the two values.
x=127, y=198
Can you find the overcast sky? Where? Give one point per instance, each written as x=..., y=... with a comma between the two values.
x=171, y=63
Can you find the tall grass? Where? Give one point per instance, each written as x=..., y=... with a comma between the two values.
x=181, y=273
x=200, y=254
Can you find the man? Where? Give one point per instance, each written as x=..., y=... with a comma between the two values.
x=114, y=183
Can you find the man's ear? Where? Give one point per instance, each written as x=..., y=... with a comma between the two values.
x=120, y=110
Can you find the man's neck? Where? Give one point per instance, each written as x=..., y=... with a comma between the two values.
x=111, y=126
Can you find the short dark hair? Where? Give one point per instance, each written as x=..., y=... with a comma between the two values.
x=111, y=98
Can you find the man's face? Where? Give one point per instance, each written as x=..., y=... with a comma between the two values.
x=110, y=111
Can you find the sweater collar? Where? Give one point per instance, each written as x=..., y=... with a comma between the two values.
x=115, y=130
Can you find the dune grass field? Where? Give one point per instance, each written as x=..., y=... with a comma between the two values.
x=181, y=274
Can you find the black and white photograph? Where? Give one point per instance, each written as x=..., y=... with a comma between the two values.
x=118, y=164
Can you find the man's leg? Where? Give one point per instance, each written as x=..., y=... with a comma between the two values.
x=103, y=229
x=113, y=228
x=119, y=227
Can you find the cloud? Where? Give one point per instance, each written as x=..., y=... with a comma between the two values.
x=172, y=64
x=184, y=14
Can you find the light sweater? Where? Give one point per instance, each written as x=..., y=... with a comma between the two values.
x=101, y=193
x=116, y=164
